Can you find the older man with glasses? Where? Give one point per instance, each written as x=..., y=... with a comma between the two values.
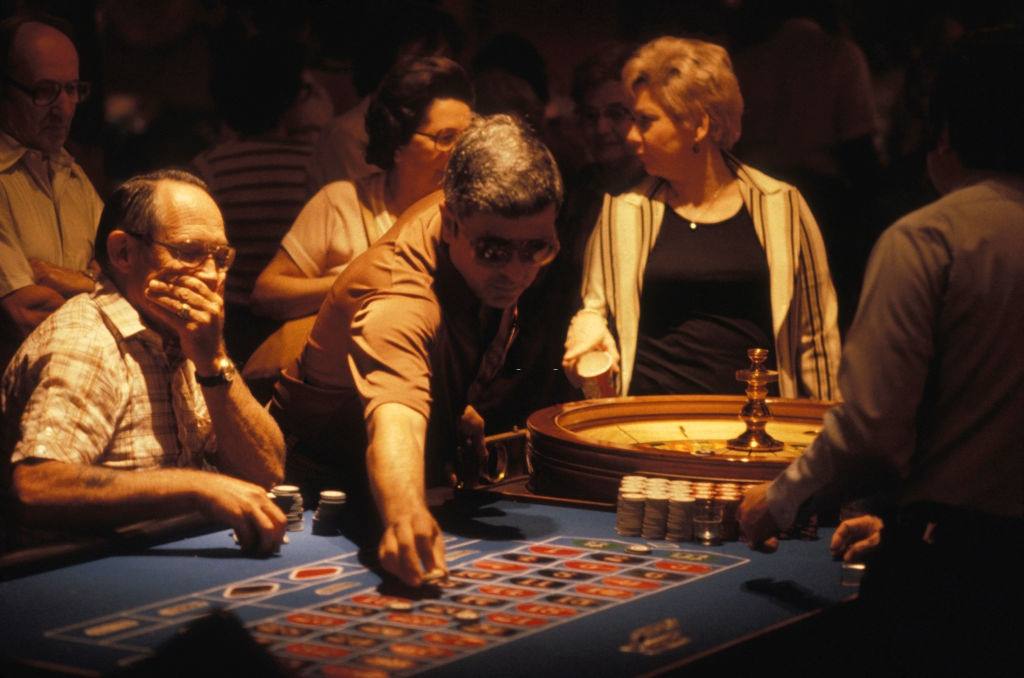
x=135, y=377
x=413, y=333
x=48, y=207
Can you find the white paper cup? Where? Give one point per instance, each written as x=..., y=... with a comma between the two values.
x=595, y=371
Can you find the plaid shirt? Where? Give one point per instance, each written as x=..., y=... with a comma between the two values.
x=93, y=385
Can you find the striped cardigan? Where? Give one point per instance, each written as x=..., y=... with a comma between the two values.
x=803, y=300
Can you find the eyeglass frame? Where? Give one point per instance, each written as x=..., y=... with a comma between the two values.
x=209, y=251
x=436, y=138
x=73, y=88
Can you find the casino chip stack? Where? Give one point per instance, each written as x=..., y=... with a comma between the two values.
x=289, y=499
x=658, y=508
x=630, y=512
x=327, y=519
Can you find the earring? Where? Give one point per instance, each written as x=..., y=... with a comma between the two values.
x=696, y=148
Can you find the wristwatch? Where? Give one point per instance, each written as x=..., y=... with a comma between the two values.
x=224, y=375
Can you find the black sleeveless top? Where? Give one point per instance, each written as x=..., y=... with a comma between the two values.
x=705, y=301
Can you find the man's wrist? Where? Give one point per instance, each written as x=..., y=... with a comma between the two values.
x=218, y=372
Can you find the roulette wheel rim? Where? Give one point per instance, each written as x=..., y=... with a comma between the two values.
x=566, y=462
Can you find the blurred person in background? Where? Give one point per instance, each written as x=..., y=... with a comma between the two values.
x=48, y=207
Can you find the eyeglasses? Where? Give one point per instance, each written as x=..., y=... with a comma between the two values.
x=45, y=92
x=194, y=252
x=499, y=251
x=443, y=140
x=615, y=113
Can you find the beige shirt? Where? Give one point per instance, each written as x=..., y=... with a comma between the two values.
x=339, y=223
x=41, y=218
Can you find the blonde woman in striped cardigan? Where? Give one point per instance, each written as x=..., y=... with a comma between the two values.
x=707, y=256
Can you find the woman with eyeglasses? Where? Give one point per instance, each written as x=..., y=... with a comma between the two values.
x=707, y=257
x=412, y=123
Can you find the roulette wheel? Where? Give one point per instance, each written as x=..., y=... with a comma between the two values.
x=581, y=450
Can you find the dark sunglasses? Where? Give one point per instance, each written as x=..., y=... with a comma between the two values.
x=193, y=252
x=499, y=251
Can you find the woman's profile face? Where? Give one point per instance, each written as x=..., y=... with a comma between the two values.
x=431, y=144
x=659, y=141
x=605, y=120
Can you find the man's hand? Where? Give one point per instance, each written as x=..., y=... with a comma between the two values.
x=412, y=546
x=588, y=332
x=28, y=306
x=194, y=311
x=257, y=521
x=855, y=538
x=756, y=521
x=63, y=281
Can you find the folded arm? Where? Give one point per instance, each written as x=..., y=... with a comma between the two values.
x=283, y=291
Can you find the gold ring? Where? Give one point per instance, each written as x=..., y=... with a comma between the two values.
x=184, y=310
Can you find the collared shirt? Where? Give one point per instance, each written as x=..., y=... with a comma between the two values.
x=401, y=325
x=93, y=385
x=48, y=210
x=932, y=372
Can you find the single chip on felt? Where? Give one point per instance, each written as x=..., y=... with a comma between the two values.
x=638, y=548
x=400, y=605
x=435, y=575
x=467, y=615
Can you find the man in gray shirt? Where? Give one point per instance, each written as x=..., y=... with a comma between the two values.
x=933, y=379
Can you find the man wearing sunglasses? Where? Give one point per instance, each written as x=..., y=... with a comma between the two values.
x=48, y=207
x=119, y=405
x=413, y=333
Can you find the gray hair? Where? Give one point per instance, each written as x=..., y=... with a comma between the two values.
x=499, y=166
x=687, y=78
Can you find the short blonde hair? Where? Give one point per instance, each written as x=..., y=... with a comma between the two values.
x=688, y=78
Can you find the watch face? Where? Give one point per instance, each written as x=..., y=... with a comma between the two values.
x=225, y=374
x=227, y=369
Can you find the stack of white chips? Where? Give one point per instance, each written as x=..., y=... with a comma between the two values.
x=659, y=508
x=289, y=499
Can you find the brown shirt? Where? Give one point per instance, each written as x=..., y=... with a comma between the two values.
x=400, y=325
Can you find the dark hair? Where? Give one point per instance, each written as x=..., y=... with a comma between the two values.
x=499, y=166
x=597, y=69
x=10, y=26
x=976, y=101
x=398, y=107
x=255, y=81
x=131, y=208
x=514, y=54
x=394, y=31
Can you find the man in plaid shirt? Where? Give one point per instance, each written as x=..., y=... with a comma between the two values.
x=123, y=405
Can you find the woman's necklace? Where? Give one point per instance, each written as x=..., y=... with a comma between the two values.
x=704, y=207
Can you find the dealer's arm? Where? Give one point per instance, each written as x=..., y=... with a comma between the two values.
x=411, y=544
